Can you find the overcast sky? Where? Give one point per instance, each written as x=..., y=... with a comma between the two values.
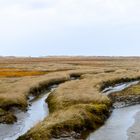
x=69, y=27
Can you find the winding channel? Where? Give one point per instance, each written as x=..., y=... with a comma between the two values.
x=116, y=127
x=37, y=111
x=120, y=121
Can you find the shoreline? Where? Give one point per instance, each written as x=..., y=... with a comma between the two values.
x=134, y=131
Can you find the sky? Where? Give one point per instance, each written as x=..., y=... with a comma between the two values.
x=70, y=27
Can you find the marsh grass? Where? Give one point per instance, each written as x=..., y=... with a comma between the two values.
x=75, y=92
x=7, y=117
x=75, y=105
x=21, y=73
x=75, y=118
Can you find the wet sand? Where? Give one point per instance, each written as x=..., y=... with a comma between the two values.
x=134, y=131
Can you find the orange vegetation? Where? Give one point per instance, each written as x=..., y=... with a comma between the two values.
x=19, y=73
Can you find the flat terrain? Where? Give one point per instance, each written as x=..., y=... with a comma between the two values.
x=76, y=105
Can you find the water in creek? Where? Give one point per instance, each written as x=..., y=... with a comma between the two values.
x=116, y=127
x=36, y=112
x=118, y=87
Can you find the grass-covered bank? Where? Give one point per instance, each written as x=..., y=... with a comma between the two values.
x=7, y=117
x=69, y=122
x=22, y=90
x=75, y=107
